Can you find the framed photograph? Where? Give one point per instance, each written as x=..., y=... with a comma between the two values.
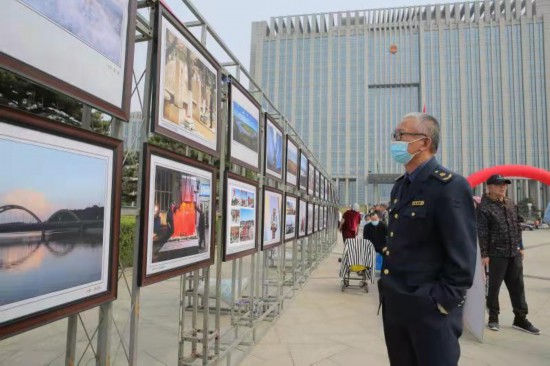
x=317, y=218
x=291, y=217
x=186, y=103
x=325, y=217
x=272, y=235
x=273, y=149
x=177, y=229
x=310, y=218
x=302, y=218
x=59, y=220
x=99, y=34
x=291, y=162
x=244, y=122
x=304, y=162
x=317, y=184
x=241, y=217
x=311, y=180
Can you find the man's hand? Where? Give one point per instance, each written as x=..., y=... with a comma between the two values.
x=522, y=252
x=485, y=261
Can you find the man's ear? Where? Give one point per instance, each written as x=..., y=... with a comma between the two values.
x=427, y=143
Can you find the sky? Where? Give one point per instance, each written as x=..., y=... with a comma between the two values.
x=232, y=20
x=45, y=180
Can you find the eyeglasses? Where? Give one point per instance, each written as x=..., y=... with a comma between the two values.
x=397, y=135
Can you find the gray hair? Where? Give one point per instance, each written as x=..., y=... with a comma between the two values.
x=355, y=207
x=429, y=124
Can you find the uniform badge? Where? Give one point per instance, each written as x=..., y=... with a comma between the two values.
x=418, y=203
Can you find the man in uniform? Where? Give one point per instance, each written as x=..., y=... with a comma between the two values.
x=429, y=260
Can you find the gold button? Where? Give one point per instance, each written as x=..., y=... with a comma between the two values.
x=395, y=200
x=413, y=214
x=396, y=216
x=391, y=234
x=386, y=271
x=387, y=252
x=437, y=171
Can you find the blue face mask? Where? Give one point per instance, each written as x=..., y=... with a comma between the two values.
x=399, y=151
x=374, y=223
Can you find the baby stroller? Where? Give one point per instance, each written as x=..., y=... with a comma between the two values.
x=358, y=258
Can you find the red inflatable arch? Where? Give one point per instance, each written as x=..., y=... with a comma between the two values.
x=523, y=171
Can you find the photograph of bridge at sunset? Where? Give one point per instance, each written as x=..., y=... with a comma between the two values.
x=53, y=207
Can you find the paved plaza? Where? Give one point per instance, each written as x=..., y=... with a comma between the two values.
x=326, y=327
x=320, y=326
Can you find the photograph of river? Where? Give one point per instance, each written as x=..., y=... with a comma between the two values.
x=53, y=207
x=68, y=259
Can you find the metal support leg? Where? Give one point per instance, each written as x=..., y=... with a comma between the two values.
x=70, y=352
x=104, y=334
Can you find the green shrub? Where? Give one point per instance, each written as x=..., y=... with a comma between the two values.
x=126, y=243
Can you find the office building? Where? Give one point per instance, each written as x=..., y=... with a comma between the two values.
x=345, y=79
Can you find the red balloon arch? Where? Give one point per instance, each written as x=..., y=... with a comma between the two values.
x=523, y=171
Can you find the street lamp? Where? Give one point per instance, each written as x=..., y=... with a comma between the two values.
x=529, y=207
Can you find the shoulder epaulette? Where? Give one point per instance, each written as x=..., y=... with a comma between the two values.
x=442, y=174
x=400, y=177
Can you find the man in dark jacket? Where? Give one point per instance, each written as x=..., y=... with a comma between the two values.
x=376, y=231
x=501, y=247
x=429, y=261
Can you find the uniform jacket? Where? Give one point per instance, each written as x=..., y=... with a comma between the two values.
x=431, y=245
x=498, y=228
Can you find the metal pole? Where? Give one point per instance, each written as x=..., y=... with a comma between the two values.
x=104, y=334
x=106, y=310
x=144, y=137
x=70, y=352
x=183, y=289
x=205, y=315
x=221, y=199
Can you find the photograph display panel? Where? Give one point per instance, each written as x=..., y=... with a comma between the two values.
x=302, y=218
x=311, y=180
x=99, y=35
x=272, y=216
x=317, y=218
x=59, y=220
x=245, y=127
x=291, y=216
x=304, y=162
x=317, y=183
x=178, y=228
x=310, y=218
x=291, y=163
x=241, y=217
x=273, y=150
x=187, y=102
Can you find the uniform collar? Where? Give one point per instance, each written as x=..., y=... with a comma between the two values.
x=423, y=171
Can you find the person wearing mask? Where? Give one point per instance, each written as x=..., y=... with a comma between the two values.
x=501, y=245
x=430, y=255
x=376, y=231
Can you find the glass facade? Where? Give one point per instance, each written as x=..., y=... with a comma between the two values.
x=345, y=79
